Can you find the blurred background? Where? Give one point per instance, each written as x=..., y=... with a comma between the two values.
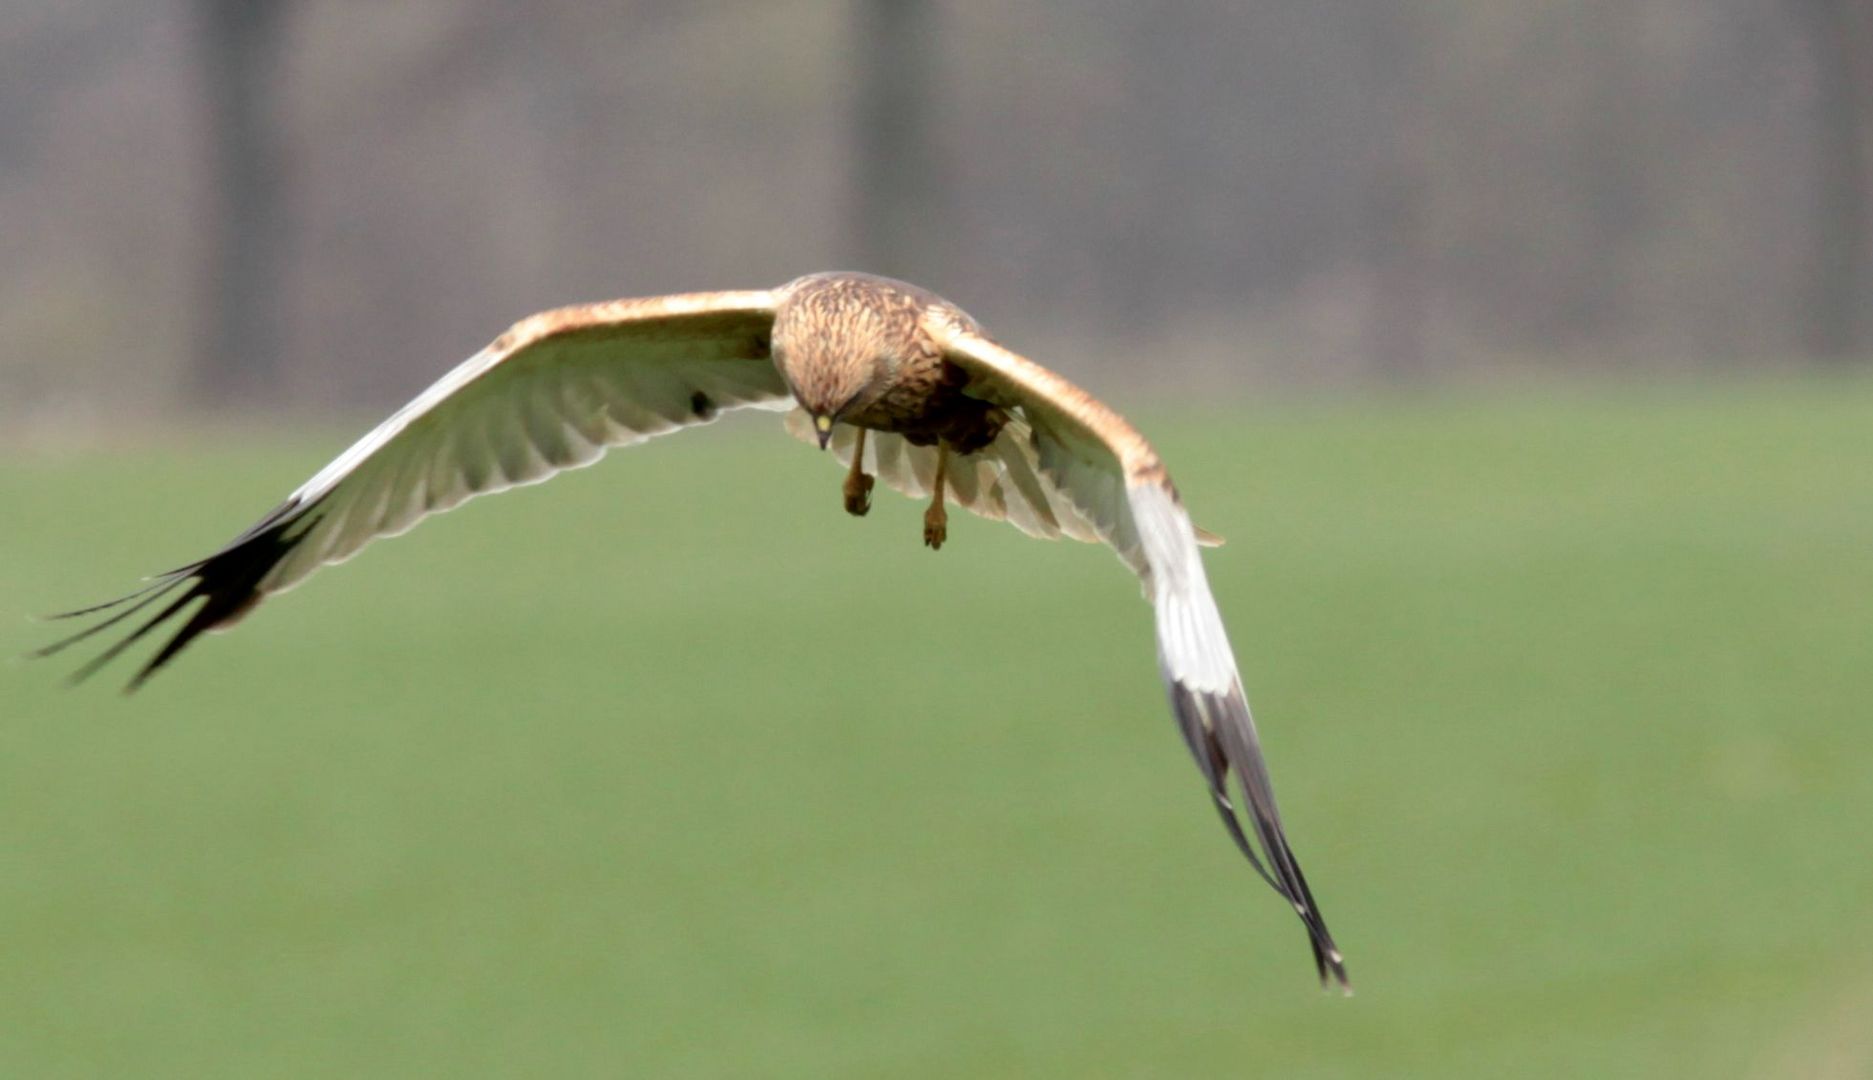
x=1216, y=195
x=1521, y=349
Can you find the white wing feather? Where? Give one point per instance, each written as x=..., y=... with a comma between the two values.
x=550, y=394
x=502, y=421
x=1096, y=465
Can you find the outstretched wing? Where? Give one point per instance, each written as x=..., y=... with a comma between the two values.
x=1099, y=473
x=552, y=393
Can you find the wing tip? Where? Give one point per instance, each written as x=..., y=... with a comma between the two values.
x=153, y=583
x=228, y=583
x=1332, y=968
x=219, y=601
x=1220, y=735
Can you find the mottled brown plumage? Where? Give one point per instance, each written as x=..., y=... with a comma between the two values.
x=860, y=350
x=897, y=382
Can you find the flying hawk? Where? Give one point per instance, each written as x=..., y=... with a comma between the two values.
x=896, y=381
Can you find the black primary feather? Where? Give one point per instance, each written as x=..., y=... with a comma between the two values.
x=1216, y=728
x=227, y=583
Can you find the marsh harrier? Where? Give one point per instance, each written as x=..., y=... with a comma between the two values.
x=897, y=382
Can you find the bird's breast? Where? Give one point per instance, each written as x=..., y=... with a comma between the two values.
x=925, y=403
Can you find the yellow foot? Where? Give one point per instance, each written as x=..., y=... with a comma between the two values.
x=858, y=494
x=935, y=527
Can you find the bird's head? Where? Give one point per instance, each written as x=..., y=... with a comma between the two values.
x=839, y=342
x=831, y=384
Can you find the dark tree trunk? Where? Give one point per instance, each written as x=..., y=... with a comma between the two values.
x=238, y=362
x=1137, y=268
x=898, y=176
x=1840, y=287
x=1398, y=188
x=1613, y=156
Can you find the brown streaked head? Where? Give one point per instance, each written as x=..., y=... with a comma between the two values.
x=839, y=339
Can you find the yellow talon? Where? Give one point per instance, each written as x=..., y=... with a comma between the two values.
x=857, y=483
x=936, y=519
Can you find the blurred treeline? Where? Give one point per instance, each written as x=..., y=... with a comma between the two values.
x=327, y=202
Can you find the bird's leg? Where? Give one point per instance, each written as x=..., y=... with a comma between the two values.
x=936, y=519
x=858, y=482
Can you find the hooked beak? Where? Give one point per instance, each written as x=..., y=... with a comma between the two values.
x=823, y=425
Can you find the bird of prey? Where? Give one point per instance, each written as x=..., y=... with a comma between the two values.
x=899, y=383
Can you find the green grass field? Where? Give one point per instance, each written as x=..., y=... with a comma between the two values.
x=670, y=768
